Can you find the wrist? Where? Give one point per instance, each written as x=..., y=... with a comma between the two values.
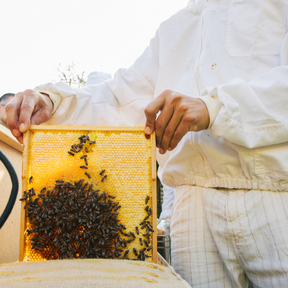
x=206, y=116
x=213, y=107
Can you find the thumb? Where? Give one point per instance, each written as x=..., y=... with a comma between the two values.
x=151, y=112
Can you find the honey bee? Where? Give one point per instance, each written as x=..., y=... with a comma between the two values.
x=137, y=230
x=123, y=227
x=144, y=226
x=126, y=253
x=147, y=199
x=117, y=208
x=102, y=172
x=87, y=174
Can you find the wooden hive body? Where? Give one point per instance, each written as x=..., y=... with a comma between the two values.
x=102, y=273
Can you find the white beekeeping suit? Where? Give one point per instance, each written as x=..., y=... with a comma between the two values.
x=96, y=77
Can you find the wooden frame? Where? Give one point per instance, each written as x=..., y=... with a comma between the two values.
x=7, y=137
x=34, y=128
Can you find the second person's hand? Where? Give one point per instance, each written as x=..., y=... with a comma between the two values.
x=25, y=109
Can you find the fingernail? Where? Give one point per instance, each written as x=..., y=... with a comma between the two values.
x=161, y=151
x=147, y=130
x=169, y=149
x=22, y=127
x=16, y=133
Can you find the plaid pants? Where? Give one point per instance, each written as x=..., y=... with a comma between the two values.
x=222, y=237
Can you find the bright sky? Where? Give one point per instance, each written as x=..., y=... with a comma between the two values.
x=98, y=35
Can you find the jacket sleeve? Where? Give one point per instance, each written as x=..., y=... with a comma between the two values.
x=117, y=102
x=251, y=114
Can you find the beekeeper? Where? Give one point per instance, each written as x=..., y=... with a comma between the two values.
x=217, y=72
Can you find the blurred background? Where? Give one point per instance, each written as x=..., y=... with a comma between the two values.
x=42, y=39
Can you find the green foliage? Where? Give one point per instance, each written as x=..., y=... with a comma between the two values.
x=70, y=76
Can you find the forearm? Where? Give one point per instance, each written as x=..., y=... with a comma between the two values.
x=119, y=104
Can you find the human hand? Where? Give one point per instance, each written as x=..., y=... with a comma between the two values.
x=179, y=114
x=25, y=109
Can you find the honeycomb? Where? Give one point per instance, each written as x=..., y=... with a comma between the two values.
x=126, y=157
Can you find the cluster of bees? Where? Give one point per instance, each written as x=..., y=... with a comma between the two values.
x=75, y=220
x=145, y=224
x=76, y=148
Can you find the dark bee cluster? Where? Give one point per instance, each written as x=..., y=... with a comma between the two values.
x=74, y=221
x=145, y=224
x=82, y=146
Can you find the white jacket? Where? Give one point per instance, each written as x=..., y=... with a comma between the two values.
x=97, y=77
x=231, y=53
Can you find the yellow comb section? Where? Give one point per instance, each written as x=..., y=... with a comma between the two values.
x=125, y=154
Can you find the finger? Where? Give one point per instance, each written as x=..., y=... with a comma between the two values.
x=20, y=139
x=151, y=113
x=12, y=110
x=26, y=111
x=169, y=131
x=180, y=132
x=44, y=111
x=162, y=122
x=40, y=116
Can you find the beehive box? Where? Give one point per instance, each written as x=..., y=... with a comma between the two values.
x=67, y=218
x=77, y=273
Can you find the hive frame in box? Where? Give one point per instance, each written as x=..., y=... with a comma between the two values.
x=35, y=128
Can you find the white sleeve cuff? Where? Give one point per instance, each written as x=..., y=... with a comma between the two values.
x=213, y=106
x=55, y=98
